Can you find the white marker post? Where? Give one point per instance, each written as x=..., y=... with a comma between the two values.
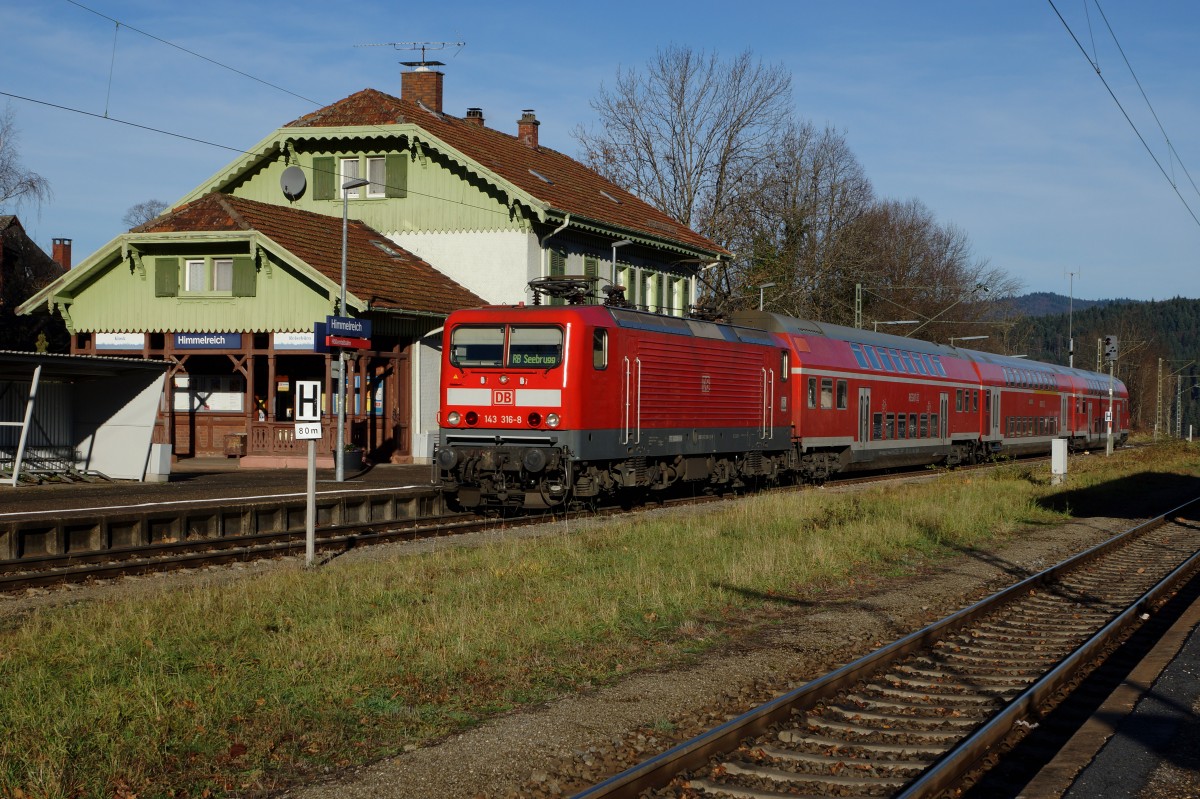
x=307, y=414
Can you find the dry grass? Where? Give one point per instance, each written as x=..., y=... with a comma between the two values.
x=272, y=678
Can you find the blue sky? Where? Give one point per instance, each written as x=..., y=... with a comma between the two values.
x=984, y=110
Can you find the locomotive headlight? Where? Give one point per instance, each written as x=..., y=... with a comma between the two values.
x=453, y=418
x=503, y=380
x=552, y=420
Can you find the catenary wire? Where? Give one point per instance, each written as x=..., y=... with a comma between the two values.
x=1124, y=113
x=207, y=143
x=1167, y=138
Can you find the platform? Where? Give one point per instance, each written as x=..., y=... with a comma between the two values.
x=205, y=497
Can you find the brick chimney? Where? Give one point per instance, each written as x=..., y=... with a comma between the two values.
x=475, y=116
x=423, y=85
x=527, y=127
x=62, y=253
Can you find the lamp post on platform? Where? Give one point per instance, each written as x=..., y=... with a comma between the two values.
x=338, y=466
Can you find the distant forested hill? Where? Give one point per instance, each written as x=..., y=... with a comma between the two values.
x=1045, y=303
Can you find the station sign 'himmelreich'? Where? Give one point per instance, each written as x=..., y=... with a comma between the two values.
x=345, y=332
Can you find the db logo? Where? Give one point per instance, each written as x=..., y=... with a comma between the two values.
x=503, y=396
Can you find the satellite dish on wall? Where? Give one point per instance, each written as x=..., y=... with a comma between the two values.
x=293, y=182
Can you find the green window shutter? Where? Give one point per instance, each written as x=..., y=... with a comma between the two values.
x=558, y=268
x=166, y=277
x=396, y=166
x=245, y=276
x=324, y=178
x=590, y=270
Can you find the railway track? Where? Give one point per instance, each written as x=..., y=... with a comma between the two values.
x=931, y=712
x=192, y=552
x=16, y=575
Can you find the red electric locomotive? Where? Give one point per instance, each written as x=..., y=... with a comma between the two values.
x=544, y=404
x=541, y=403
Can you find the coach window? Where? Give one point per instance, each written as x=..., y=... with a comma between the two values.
x=901, y=426
x=785, y=365
x=908, y=364
x=975, y=399
x=929, y=365
x=889, y=426
x=843, y=394
x=826, y=393
x=924, y=425
x=812, y=392
x=535, y=347
x=872, y=356
x=934, y=430
x=477, y=346
x=599, y=348
x=916, y=359
x=958, y=405
x=886, y=359
x=877, y=426
x=900, y=367
x=912, y=425
x=856, y=349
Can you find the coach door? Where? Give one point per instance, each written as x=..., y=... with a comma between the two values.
x=1062, y=415
x=864, y=415
x=631, y=401
x=996, y=413
x=768, y=403
x=944, y=416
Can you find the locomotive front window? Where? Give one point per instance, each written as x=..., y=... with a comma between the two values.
x=477, y=346
x=535, y=347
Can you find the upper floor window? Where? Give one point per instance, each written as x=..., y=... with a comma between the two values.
x=377, y=174
x=208, y=275
x=235, y=276
x=347, y=172
x=387, y=173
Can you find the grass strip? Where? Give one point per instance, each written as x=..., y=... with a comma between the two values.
x=264, y=681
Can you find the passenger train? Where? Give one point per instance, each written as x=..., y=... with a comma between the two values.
x=542, y=405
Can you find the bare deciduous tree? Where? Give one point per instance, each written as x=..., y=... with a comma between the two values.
x=143, y=212
x=716, y=145
x=686, y=131
x=793, y=214
x=912, y=267
x=17, y=184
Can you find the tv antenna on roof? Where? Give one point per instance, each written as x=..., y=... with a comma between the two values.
x=422, y=46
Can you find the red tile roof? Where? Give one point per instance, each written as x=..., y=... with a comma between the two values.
x=574, y=188
x=377, y=270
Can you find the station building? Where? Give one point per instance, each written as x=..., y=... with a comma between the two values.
x=228, y=284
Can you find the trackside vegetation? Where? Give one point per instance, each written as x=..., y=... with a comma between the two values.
x=259, y=682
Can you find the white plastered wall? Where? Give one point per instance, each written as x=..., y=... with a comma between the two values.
x=495, y=265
